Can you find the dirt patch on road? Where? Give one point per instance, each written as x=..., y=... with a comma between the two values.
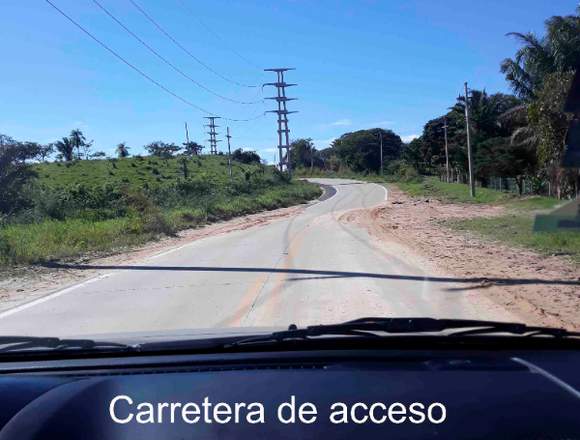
x=539, y=289
x=23, y=284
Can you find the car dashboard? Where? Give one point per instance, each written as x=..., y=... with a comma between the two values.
x=484, y=394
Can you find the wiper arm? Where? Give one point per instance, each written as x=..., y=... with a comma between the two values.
x=10, y=344
x=375, y=326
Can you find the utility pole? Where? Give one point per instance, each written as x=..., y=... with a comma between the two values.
x=282, y=112
x=212, y=134
x=229, y=152
x=469, y=152
x=186, y=133
x=446, y=150
x=381, y=146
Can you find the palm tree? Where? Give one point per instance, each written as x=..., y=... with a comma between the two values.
x=78, y=140
x=122, y=150
x=558, y=51
x=537, y=74
x=66, y=148
x=485, y=111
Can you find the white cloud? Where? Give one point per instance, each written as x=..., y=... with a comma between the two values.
x=384, y=123
x=340, y=123
x=409, y=137
x=323, y=143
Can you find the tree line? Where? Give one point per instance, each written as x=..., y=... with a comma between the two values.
x=519, y=136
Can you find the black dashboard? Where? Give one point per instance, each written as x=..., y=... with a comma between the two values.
x=490, y=394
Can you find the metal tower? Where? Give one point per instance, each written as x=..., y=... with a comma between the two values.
x=282, y=112
x=212, y=134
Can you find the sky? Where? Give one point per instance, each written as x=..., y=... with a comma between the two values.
x=359, y=64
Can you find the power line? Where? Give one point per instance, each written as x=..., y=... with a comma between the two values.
x=140, y=72
x=218, y=36
x=158, y=55
x=184, y=49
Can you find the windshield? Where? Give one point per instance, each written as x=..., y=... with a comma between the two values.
x=184, y=167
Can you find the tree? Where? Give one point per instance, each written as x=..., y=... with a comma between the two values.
x=14, y=173
x=412, y=154
x=78, y=140
x=98, y=155
x=45, y=151
x=303, y=154
x=540, y=74
x=485, y=111
x=122, y=150
x=192, y=148
x=65, y=147
x=329, y=159
x=161, y=149
x=499, y=157
x=549, y=123
x=360, y=150
x=557, y=51
x=247, y=157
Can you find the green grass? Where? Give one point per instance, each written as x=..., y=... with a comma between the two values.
x=52, y=239
x=516, y=229
x=33, y=237
x=57, y=239
x=452, y=192
x=135, y=171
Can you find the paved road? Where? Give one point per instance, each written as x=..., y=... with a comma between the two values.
x=306, y=269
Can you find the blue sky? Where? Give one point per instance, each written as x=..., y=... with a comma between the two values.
x=360, y=64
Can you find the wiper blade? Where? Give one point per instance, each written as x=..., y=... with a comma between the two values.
x=378, y=326
x=11, y=344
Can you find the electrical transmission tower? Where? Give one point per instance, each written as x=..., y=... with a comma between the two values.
x=212, y=134
x=282, y=112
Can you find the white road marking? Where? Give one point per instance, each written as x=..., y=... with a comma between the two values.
x=53, y=295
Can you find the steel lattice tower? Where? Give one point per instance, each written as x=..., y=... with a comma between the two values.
x=282, y=112
x=213, y=140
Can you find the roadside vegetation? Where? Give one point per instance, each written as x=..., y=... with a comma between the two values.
x=67, y=198
x=518, y=143
x=515, y=226
x=87, y=205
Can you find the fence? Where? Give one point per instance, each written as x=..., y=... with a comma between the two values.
x=506, y=184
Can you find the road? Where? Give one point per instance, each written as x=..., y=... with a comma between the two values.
x=305, y=269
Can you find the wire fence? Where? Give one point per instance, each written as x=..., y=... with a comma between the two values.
x=505, y=184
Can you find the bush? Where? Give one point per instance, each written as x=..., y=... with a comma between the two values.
x=401, y=171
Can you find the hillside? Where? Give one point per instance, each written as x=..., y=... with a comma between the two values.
x=138, y=171
x=74, y=208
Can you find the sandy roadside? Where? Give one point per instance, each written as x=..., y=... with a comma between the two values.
x=539, y=289
x=21, y=285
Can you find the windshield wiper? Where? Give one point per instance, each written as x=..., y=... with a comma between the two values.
x=377, y=327
x=11, y=344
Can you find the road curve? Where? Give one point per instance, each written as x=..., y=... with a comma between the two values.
x=306, y=269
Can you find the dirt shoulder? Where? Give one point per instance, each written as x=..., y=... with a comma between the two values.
x=23, y=284
x=539, y=289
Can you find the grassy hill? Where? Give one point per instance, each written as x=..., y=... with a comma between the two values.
x=136, y=171
x=98, y=206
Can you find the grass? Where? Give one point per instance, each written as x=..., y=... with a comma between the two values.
x=134, y=171
x=452, y=192
x=54, y=239
x=516, y=229
x=211, y=197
